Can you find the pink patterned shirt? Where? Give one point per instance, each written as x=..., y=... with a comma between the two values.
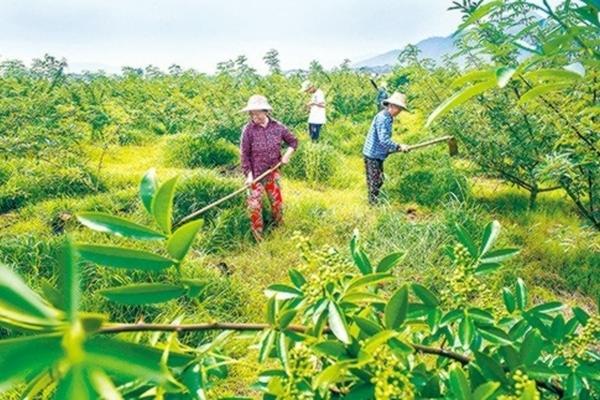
x=260, y=147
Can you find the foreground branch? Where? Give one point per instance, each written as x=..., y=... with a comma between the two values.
x=244, y=327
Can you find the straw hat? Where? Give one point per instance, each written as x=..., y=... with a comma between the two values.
x=257, y=102
x=305, y=86
x=397, y=99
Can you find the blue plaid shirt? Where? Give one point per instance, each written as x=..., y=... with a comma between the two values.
x=379, y=141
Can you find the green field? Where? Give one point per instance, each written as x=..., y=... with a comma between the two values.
x=476, y=277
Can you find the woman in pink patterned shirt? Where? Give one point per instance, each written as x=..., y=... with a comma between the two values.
x=260, y=149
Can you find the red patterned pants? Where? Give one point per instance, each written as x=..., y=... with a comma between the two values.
x=270, y=185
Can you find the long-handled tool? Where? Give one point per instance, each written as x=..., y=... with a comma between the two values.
x=229, y=196
x=452, y=145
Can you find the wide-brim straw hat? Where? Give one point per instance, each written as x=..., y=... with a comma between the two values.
x=257, y=102
x=305, y=86
x=397, y=99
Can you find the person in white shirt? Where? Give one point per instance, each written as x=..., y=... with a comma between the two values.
x=316, y=117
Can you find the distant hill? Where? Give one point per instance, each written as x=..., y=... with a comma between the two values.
x=433, y=47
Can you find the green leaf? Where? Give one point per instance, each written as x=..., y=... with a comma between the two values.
x=485, y=390
x=194, y=286
x=397, y=309
x=544, y=75
x=480, y=12
x=286, y=318
x=540, y=90
x=25, y=356
x=465, y=239
x=266, y=345
x=143, y=293
x=546, y=308
x=337, y=323
x=375, y=341
x=106, y=223
x=148, y=189
x=474, y=76
x=20, y=303
x=531, y=349
x=121, y=257
x=521, y=294
x=368, y=327
x=76, y=385
x=495, y=335
x=481, y=316
x=282, y=292
x=181, y=241
x=361, y=297
x=425, y=295
x=500, y=255
x=297, y=278
x=131, y=360
x=362, y=261
x=330, y=375
x=509, y=300
x=490, y=235
x=354, y=241
x=459, y=384
x=103, y=385
x=541, y=372
x=70, y=281
x=490, y=368
x=503, y=76
x=390, y=261
x=459, y=98
x=271, y=310
x=162, y=205
x=361, y=392
x=331, y=348
x=466, y=332
x=366, y=280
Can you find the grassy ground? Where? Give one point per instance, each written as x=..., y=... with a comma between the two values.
x=560, y=255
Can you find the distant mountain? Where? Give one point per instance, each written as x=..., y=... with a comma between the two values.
x=433, y=47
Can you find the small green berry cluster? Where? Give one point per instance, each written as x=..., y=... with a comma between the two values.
x=390, y=378
x=461, y=286
x=302, y=362
x=330, y=269
x=462, y=255
x=578, y=344
x=522, y=383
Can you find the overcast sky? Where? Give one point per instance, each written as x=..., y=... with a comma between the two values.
x=198, y=34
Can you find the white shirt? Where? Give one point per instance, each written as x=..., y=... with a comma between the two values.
x=317, y=114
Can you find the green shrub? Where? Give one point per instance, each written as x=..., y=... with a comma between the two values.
x=228, y=230
x=345, y=135
x=6, y=172
x=202, y=188
x=37, y=182
x=314, y=162
x=425, y=178
x=132, y=137
x=192, y=151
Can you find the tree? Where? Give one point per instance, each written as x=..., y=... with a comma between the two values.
x=271, y=58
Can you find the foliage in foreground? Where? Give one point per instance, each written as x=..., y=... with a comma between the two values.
x=343, y=328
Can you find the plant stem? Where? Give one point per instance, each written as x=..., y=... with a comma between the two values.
x=244, y=327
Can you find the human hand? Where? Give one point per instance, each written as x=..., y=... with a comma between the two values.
x=402, y=148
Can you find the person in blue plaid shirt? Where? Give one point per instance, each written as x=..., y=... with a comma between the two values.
x=379, y=143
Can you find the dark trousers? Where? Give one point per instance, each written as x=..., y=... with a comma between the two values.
x=374, y=171
x=314, y=130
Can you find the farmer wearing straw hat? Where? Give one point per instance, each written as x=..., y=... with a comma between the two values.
x=260, y=149
x=379, y=143
x=316, y=117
